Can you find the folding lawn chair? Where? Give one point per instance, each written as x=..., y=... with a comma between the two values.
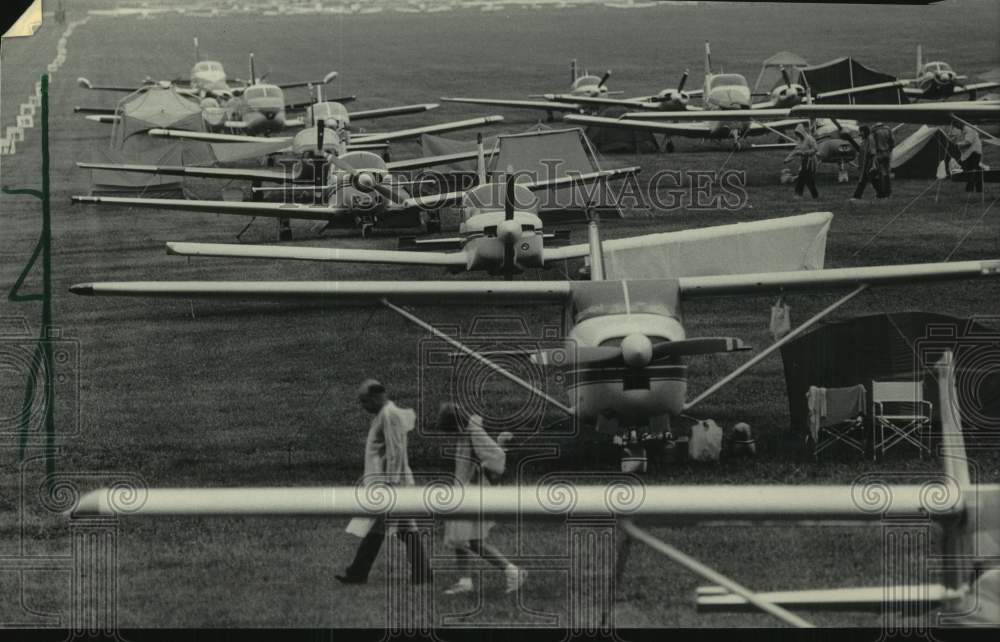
x=836, y=415
x=900, y=414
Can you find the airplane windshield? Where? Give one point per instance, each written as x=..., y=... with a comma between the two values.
x=586, y=81
x=208, y=65
x=938, y=66
x=727, y=80
x=262, y=91
x=329, y=111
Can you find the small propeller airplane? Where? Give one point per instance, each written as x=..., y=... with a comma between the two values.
x=934, y=80
x=585, y=89
x=500, y=238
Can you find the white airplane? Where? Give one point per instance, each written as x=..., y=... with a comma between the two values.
x=723, y=94
x=501, y=232
x=934, y=80
x=585, y=89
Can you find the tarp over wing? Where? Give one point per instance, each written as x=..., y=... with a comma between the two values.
x=845, y=73
x=782, y=244
x=920, y=154
x=107, y=182
x=431, y=145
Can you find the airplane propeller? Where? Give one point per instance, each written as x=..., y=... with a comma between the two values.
x=680, y=85
x=508, y=232
x=604, y=78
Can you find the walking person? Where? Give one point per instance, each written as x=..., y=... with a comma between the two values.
x=805, y=148
x=970, y=148
x=386, y=460
x=883, y=143
x=477, y=458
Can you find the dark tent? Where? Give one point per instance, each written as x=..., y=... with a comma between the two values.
x=844, y=73
x=897, y=346
x=617, y=140
x=920, y=154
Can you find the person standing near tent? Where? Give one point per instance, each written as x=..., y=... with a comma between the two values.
x=970, y=147
x=477, y=458
x=386, y=461
x=883, y=143
x=806, y=149
x=866, y=157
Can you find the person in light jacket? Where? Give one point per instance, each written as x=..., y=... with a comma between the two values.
x=477, y=457
x=386, y=461
x=806, y=149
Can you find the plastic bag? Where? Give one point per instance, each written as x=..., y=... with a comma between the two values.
x=781, y=320
x=706, y=441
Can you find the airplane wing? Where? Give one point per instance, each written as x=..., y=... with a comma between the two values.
x=777, y=282
x=94, y=110
x=693, y=130
x=295, y=122
x=775, y=125
x=392, y=111
x=104, y=119
x=940, y=113
x=305, y=104
x=429, y=161
x=333, y=255
x=532, y=292
x=849, y=91
x=194, y=172
x=637, y=103
x=403, y=134
x=86, y=84
x=209, y=137
x=308, y=83
x=517, y=104
x=978, y=86
x=435, y=201
x=341, y=292
x=273, y=210
x=710, y=114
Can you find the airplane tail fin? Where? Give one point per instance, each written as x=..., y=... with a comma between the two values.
x=253, y=74
x=197, y=53
x=920, y=60
x=572, y=71
x=708, y=59
x=480, y=160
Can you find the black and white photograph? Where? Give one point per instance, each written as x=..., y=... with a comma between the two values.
x=458, y=318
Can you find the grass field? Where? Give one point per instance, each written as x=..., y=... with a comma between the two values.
x=262, y=394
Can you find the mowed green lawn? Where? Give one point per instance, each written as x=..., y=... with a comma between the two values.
x=229, y=394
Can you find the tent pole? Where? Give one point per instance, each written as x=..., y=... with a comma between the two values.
x=774, y=346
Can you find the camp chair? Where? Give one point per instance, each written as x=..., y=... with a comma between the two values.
x=900, y=414
x=836, y=415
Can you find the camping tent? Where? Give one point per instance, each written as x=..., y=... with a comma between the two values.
x=844, y=73
x=921, y=153
x=543, y=154
x=770, y=71
x=897, y=346
x=618, y=140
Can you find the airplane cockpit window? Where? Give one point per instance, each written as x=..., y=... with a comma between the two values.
x=938, y=66
x=727, y=80
x=586, y=81
x=262, y=91
x=333, y=113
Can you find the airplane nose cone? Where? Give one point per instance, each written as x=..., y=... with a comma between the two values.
x=365, y=181
x=637, y=350
x=509, y=231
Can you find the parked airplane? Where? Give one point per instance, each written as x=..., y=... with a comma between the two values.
x=582, y=87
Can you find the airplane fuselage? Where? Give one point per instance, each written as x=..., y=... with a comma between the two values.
x=261, y=108
x=632, y=395
x=488, y=233
x=209, y=77
x=936, y=81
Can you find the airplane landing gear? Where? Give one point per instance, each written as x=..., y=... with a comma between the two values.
x=842, y=176
x=670, y=147
x=432, y=224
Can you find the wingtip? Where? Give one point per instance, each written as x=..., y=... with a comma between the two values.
x=84, y=199
x=83, y=289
